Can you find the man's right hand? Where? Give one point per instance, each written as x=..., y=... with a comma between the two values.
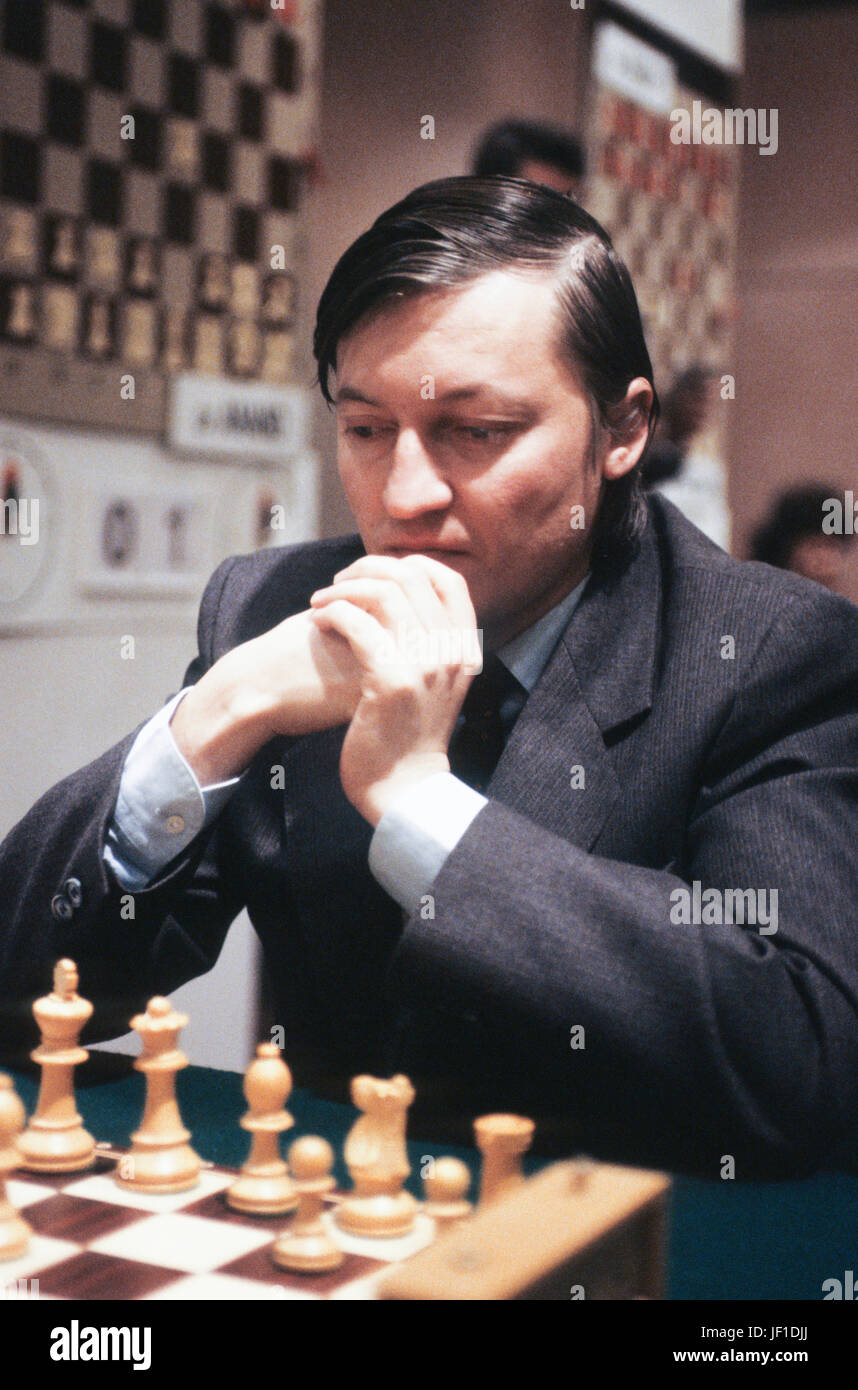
x=294, y=679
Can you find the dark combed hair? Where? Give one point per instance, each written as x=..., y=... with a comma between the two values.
x=796, y=514
x=505, y=147
x=449, y=232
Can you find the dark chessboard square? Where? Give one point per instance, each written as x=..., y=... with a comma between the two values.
x=180, y=213
x=20, y=167
x=216, y=162
x=149, y=17
x=250, y=112
x=145, y=149
x=79, y=1219
x=286, y=62
x=220, y=36
x=107, y=56
x=66, y=106
x=284, y=183
x=92, y=1276
x=24, y=29
x=104, y=192
x=245, y=233
x=183, y=85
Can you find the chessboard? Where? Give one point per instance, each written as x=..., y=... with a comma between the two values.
x=599, y=1230
x=153, y=159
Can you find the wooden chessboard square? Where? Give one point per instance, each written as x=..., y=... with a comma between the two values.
x=41, y=1253
x=94, y=1275
x=215, y=1208
x=259, y=1265
x=216, y=1287
x=22, y=1192
x=186, y=1243
x=77, y=1219
x=388, y=1249
x=103, y=1188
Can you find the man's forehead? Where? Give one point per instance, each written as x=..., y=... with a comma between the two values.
x=497, y=326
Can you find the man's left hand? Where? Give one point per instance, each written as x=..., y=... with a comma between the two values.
x=413, y=632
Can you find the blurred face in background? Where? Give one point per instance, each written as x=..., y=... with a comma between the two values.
x=821, y=558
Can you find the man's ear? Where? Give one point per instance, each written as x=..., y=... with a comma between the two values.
x=628, y=429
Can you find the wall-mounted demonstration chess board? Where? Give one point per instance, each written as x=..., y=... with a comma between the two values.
x=671, y=211
x=153, y=157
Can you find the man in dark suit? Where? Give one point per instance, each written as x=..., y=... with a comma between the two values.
x=611, y=880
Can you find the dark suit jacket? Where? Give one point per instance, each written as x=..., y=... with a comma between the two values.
x=554, y=911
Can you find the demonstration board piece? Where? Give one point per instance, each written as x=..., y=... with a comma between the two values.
x=55, y=1140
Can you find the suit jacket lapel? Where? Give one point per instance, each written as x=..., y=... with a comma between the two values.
x=556, y=768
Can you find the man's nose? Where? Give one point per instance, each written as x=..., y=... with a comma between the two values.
x=414, y=484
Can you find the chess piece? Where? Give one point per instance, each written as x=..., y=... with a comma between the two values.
x=279, y=300
x=306, y=1246
x=214, y=281
x=160, y=1159
x=277, y=355
x=104, y=256
x=14, y=1231
x=98, y=334
x=208, y=348
x=60, y=311
x=22, y=313
x=446, y=1185
x=245, y=290
x=265, y=1187
x=55, y=1140
x=502, y=1140
x=20, y=230
x=140, y=345
x=175, y=353
x=141, y=271
x=377, y=1160
x=64, y=251
x=244, y=346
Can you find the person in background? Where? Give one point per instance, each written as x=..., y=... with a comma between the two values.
x=680, y=465
x=792, y=536
x=532, y=150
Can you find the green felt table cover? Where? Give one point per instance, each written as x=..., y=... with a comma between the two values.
x=728, y=1240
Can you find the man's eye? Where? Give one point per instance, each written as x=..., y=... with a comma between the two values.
x=484, y=434
x=361, y=431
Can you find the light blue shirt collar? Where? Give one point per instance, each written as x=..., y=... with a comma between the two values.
x=526, y=655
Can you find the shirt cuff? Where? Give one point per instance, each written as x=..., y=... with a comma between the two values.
x=161, y=807
x=417, y=833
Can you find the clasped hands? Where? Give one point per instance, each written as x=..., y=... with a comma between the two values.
x=390, y=647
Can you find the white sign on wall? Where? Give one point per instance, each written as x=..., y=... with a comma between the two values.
x=711, y=27
x=238, y=420
x=634, y=68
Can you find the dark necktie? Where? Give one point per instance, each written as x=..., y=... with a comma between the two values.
x=493, y=703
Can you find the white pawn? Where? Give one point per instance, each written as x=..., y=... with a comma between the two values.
x=306, y=1247
x=14, y=1231
x=445, y=1187
x=264, y=1187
